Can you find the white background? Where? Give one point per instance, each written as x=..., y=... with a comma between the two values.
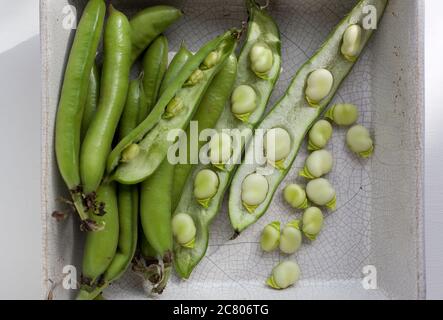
x=20, y=230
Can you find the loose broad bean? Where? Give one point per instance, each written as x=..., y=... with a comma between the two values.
x=184, y=230
x=205, y=186
x=243, y=102
x=321, y=193
x=351, y=45
x=254, y=191
x=73, y=96
x=270, y=237
x=312, y=222
x=262, y=59
x=220, y=149
x=318, y=86
x=295, y=196
x=277, y=145
x=291, y=237
x=319, y=135
x=360, y=142
x=317, y=164
x=284, y=275
x=343, y=114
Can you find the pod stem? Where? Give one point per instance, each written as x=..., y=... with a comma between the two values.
x=155, y=272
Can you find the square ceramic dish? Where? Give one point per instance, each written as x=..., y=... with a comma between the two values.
x=379, y=220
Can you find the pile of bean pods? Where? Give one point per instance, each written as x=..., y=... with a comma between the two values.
x=112, y=140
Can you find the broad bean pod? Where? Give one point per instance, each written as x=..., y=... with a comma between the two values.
x=72, y=101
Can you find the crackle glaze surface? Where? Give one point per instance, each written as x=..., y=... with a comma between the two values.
x=379, y=217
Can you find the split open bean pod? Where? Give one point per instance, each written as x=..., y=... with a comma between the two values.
x=307, y=97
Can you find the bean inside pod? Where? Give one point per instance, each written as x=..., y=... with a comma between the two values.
x=270, y=237
x=295, y=196
x=360, y=142
x=312, y=223
x=284, y=275
x=244, y=102
x=319, y=86
x=262, y=59
x=317, y=164
x=205, y=186
x=319, y=135
x=352, y=42
x=184, y=230
x=254, y=191
x=220, y=149
x=277, y=145
x=321, y=193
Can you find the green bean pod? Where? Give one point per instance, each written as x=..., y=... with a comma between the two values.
x=127, y=243
x=101, y=246
x=261, y=28
x=91, y=99
x=207, y=115
x=155, y=208
x=128, y=206
x=148, y=24
x=174, y=68
x=155, y=63
x=113, y=91
x=129, y=119
x=150, y=137
x=155, y=264
x=296, y=114
x=73, y=97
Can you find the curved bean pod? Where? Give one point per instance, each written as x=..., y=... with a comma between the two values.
x=293, y=113
x=91, y=99
x=155, y=63
x=113, y=91
x=73, y=97
x=101, y=246
x=174, y=68
x=207, y=115
x=148, y=24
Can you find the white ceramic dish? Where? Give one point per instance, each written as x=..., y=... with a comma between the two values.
x=379, y=220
